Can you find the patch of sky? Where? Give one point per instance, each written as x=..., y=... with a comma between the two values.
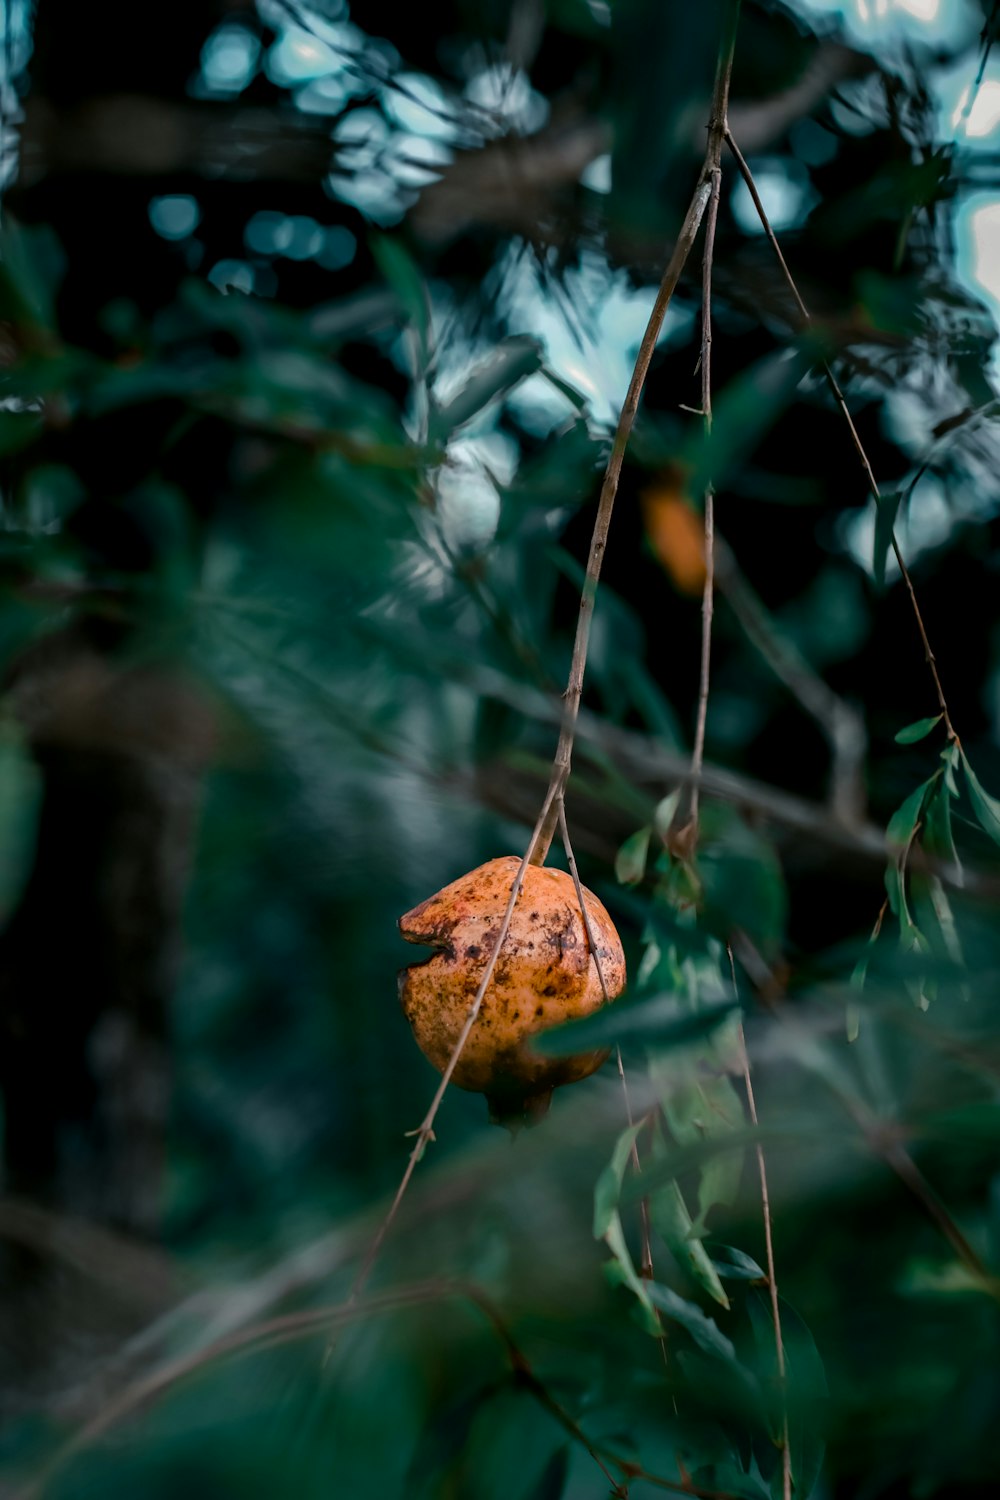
x=590, y=337
x=925, y=522
x=878, y=24
x=505, y=94
x=785, y=191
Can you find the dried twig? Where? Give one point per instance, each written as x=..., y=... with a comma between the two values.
x=841, y=401
x=541, y=838
x=772, y=1280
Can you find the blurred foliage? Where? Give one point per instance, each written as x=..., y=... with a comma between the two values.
x=299, y=471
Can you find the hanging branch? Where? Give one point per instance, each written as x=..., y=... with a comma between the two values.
x=545, y=825
x=841, y=401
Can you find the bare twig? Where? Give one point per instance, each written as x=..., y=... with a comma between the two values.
x=545, y=825
x=772, y=1280
x=708, y=594
x=841, y=401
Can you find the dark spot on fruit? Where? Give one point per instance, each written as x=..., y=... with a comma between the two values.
x=534, y=916
x=473, y=951
x=540, y=1010
x=549, y=989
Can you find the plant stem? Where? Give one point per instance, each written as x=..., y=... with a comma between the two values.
x=841, y=401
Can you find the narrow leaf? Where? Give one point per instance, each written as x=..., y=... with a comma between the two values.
x=630, y=861
x=608, y=1188
x=986, y=808
x=702, y=1328
x=657, y=1020
x=670, y=1218
x=917, y=731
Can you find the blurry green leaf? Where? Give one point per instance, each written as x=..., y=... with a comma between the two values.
x=886, y=510
x=804, y=1393
x=743, y=886
x=552, y=1481
x=743, y=412
x=986, y=808
x=658, y=1020
x=607, y=1190
x=726, y=1479
x=917, y=731
x=670, y=1218
x=736, y=1265
x=709, y=1107
x=624, y=1272
x=18, y=429
x=630, y=861
x=32, y=263
x=20, y=803
x=702, y=1328
x=403, y=275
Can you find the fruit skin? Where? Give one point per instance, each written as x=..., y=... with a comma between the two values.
x=545, y=975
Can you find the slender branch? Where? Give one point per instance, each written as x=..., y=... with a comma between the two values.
x=841, y=401
x=545, y=825
x=772, y=1280
x=708, y=595
x=542, y=839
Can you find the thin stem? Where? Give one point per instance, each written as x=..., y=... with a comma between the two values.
x=841, y=401
x=542, y=839
x=545, y=825
x=772, y=1280
x=708, y=594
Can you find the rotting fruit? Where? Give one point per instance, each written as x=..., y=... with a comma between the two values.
x=545, y=974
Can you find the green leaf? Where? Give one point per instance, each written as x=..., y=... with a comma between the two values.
x=403, y=275
x=630, y=861
x=709, y=1107
x=917, y=731
x=886, y=510
x=608, y=1187
x=702, y=1328
x=746, y=409
x=898, y=834
x=552, y=1481
x=658, y=1020
x=736, y=1265
x=625, y=1272
x=986, y=808
x=805, y=1386
x=669, y=1216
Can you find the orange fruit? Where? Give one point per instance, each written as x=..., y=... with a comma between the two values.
x=545, y=975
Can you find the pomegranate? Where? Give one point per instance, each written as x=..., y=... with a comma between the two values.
x=545, y=974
